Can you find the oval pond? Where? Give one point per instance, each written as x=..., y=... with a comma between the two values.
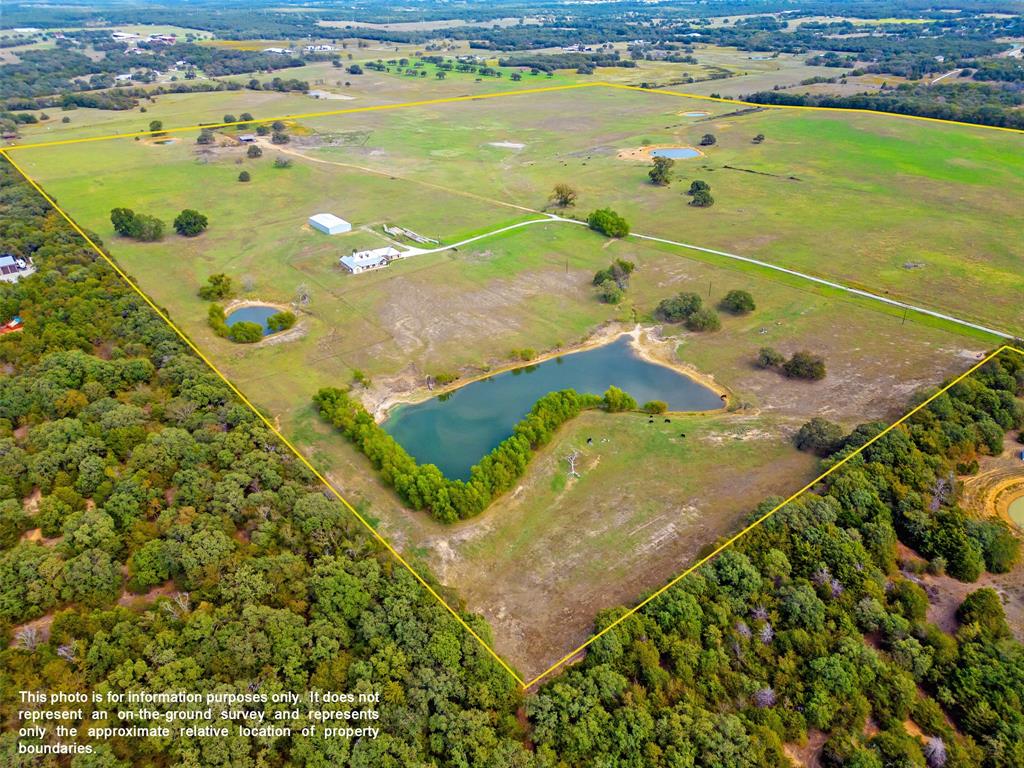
x=454, y=431
x=255, y=313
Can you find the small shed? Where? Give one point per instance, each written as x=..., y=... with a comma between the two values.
x=329, y=224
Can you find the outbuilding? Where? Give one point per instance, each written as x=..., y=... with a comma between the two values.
x=329, y=224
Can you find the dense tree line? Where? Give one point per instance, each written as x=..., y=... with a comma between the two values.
x=424, y=486
x=64, y=69
x=768, y=640
x=549, y=62
x=142, y=461
x=980, y=104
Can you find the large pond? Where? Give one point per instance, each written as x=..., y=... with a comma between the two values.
x=255, y=313
x=1016, y=511
x=454, y=431
x=676, y=153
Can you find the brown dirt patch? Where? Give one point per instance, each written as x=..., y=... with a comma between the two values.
x=133, y=600
x=643, y=154
x=808, y=754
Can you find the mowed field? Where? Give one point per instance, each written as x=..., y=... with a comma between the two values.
x=544, y=559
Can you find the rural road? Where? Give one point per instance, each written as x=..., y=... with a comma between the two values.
x=551, y=218
x=943, y=77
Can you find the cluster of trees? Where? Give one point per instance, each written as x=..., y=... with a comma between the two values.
x=800, y=365
x=138, y=226
x=142, y=226
x=700, y=194
x=613, y=281
x=608, y=223
x=281, y=321
x=279, y=84
x=1006, y=70
x=424, y=486
x=150, y=473
x=217, y=288
x=688, y=308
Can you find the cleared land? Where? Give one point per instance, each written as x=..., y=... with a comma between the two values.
x=878, y=202
x=545, y=558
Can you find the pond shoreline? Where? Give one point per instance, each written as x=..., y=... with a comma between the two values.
x=297, y=331
x=643, y=154
x=648, y=349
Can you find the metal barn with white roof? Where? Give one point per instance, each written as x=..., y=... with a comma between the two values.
x=329, y=224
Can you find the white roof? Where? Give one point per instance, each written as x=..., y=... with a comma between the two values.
x=352, y=262
x=387, y=250
x=327, y=219
x=369, y=258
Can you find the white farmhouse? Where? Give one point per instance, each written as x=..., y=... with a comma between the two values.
x=363, y=261
x=329, y=224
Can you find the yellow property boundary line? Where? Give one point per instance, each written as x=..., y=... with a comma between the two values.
x=334, y=491
x=499, y=94
x=525, y=684
x=735, y=537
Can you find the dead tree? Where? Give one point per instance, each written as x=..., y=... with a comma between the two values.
x=571, y=458
x=28, y=638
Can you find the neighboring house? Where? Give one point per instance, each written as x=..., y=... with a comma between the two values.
x=329, y=224
x=363, y=261
x=248, y=138
x=13, y=268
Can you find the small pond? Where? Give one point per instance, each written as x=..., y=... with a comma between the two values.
x=676, y=153
x=454, y=431
x=696, y=114
x=1016, y=511
x=256, y=313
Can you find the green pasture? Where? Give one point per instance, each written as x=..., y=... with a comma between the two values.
x=460, y=310
x=927, y=213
